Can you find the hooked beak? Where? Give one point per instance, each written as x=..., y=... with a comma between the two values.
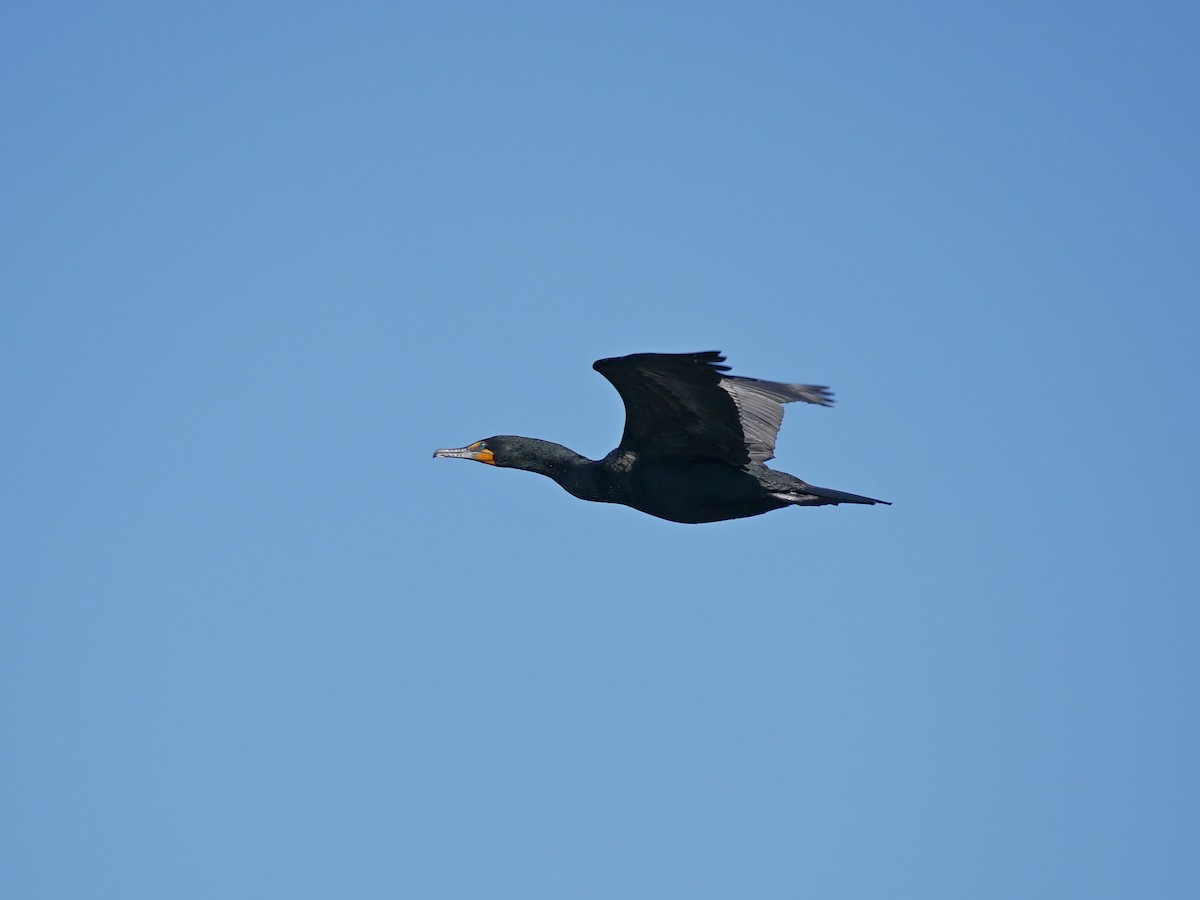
x=475, y=451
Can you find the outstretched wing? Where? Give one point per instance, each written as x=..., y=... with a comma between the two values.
x=683, y=405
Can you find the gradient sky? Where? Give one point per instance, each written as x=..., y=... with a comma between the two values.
x=260, y=259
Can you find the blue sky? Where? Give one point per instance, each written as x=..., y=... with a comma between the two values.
x=261, y=259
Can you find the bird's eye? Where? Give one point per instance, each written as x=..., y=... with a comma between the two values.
x=481, y=445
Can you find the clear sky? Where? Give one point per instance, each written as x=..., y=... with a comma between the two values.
x=260, y=259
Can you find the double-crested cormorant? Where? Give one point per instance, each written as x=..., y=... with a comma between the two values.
x=694, y=444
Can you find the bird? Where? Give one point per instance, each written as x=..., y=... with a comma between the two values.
x=694, y=448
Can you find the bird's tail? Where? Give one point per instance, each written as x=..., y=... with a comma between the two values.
x=811, y=495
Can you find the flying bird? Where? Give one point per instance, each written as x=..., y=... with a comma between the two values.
x=695, y=444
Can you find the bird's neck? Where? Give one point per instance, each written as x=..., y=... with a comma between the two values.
x=605, y=481
x=555, y=461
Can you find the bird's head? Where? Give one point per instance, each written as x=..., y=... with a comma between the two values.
x=504, y=450
x=508, y=451
x=480, y=451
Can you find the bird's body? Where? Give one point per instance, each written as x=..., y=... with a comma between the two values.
x=694, y=446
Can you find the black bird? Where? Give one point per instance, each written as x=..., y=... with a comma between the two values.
x=694, y=444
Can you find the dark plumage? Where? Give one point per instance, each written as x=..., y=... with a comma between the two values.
x=694, y=446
